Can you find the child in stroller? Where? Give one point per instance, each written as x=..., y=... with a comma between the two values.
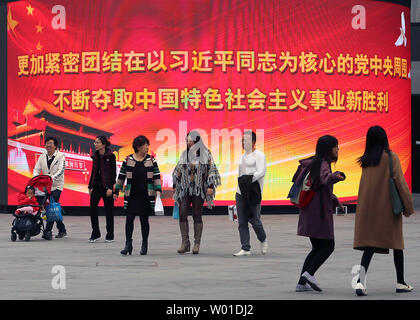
x=29, y=216
x=26, y=200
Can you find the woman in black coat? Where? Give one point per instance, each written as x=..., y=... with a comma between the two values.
x=101, y=185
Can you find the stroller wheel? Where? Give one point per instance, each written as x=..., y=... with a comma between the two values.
x=13, y=236
x=27, y=236
x=21, y=236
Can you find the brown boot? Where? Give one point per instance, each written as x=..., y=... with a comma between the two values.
x=198, y=230
x=185, y=246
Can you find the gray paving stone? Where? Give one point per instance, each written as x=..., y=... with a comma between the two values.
x=98, y=271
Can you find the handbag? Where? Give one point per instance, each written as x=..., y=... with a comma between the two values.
x=175, y=212
x=307, y=193
x=54, y=211
x=301, y=192
x=397, y=205
x=159, y=207
x=233, y=213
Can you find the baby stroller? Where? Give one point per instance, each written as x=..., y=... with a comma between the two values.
x=26, y=226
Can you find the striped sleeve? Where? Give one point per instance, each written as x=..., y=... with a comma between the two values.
x=157, y=182
x=121, y=177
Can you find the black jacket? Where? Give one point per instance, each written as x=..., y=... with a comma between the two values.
x=250, y=191
x=108, y=169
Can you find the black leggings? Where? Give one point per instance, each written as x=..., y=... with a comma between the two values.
x=129, y=227
x=321, y=250
x=398, y=262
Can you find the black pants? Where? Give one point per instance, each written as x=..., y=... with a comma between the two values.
x=398, y=262
x=321, y=250
x=249, y=214
x=95, y=197
x=197, y=208
x=60, y=225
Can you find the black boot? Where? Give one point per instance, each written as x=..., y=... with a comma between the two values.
x=128, y=248
x=47, y=235
x=143, y=250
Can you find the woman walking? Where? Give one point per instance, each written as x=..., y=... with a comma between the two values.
x=143, y=185
x=195, y=180
x=377, y=228
x=101, y=185
x=316, y=219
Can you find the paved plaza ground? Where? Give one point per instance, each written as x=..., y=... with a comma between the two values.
x=99, y=271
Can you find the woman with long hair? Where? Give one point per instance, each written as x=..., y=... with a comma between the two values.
x=101, y=185
x=377, y=228
x=316, y=219
x=195, y=179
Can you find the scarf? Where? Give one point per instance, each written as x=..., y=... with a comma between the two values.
x=194, y=174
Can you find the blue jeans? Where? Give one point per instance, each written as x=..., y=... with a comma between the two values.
x=60, y=225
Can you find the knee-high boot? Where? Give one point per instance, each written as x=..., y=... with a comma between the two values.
x=185, y=246
x=198, y=230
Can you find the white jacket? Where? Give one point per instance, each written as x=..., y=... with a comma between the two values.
x=255, y=164
x=56, y=171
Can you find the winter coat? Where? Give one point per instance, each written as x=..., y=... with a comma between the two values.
x=316, y=219
x=375, y=223
x=107, y=167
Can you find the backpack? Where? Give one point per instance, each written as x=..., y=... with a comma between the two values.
x=301, y=193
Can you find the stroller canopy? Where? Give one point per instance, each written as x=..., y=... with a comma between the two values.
x=40, y=183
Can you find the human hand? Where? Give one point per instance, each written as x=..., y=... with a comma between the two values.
x=109, y=192
x=210, y=191
x=341, y=177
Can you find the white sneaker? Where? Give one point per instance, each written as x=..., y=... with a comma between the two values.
x=303, y=287
x=360, y=290
x=92, y=240
x=400, y=288
x=264, y=247
x=311, y=281
x=242, y=253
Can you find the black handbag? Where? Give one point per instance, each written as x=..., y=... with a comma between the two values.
x=397, y=204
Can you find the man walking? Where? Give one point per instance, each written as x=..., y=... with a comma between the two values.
x=252, y=168
x=52, y=163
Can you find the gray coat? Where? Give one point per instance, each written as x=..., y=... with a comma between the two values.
x=316, y=220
